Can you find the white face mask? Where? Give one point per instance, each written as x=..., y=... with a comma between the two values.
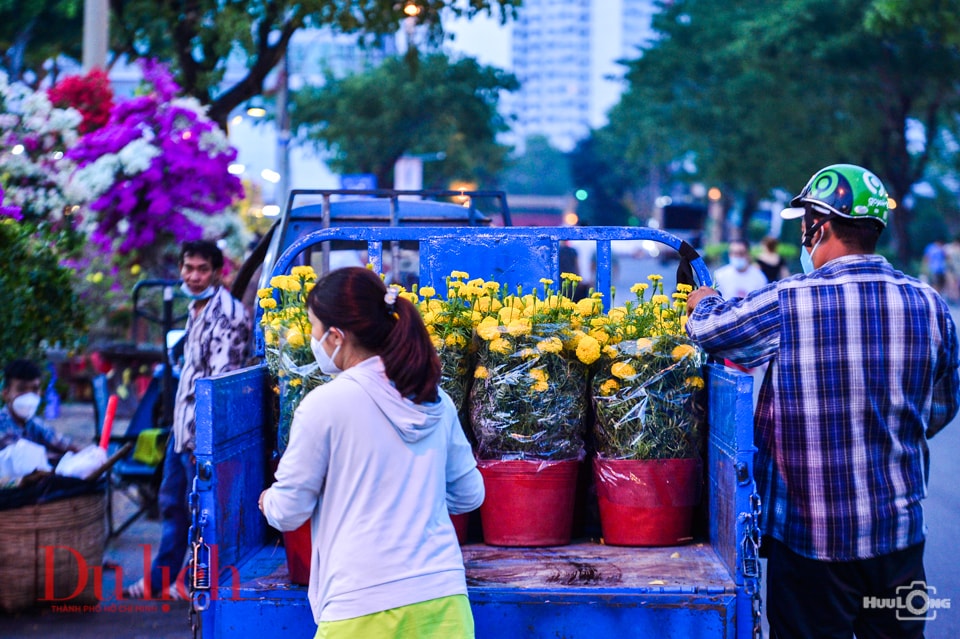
x=327, y=365
x=25, y=406
x=207, y=293
x=739, y=263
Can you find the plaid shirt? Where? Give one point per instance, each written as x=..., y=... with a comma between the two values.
x=863, y=369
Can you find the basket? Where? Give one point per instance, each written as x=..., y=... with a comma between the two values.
x=60, y=540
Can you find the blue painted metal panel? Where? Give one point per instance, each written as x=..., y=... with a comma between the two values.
x=230, y=450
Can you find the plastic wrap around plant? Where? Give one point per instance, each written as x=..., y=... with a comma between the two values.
x=286, y=332
x=649, y=399
x=527, y=400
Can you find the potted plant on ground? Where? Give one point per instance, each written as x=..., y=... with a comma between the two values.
x=649, y=412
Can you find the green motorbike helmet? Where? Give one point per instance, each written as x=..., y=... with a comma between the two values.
x=846, y=190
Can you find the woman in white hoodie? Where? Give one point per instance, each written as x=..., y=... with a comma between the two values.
x=377, y=461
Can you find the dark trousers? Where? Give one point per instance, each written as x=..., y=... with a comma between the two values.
x=178, y=472
x=812, y=599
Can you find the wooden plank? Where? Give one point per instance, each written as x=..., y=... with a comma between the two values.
x=692, y=568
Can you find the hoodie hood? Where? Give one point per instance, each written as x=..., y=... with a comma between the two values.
x=412, y=421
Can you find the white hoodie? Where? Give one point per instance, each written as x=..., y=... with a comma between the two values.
x=378, y=475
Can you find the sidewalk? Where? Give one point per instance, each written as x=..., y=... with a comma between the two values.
x=123, y=560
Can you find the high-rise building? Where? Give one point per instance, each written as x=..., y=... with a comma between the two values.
x=565, y=54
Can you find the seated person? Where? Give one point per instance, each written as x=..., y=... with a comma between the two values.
x=18, y=417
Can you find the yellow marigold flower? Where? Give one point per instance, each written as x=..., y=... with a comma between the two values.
x=268, y=303
x=309, y=287
x=629, y=330
x=600, y=335
x=622, y=370
x=659, y=299
x=427, y=292
x=546, y=281
x=574, y=340
x=588, y=306
x=679, y=296
x=296, y=381
x=502, y=346
x=413, y=298
x=597, y=295
x=294, y=338
x=508, y=313
x=486, y=304
x=598, y=322
x=478, y=282
x=437, y=341
x=305, y=272
x=271, y=338
x=638, y=289
x=682, y=350
x=459, y=275
x=433, y=306
x=644, y=344
x=571, y=277
x=488, y=328
x=683, y=322
x=694, y=382
x=529, y=353
x=610, y=351
x=616, y=314
x=475, y=317
x=519, y=327
x=654, y=277
x=455, y=340
x=609, y=387
x=539, y=374
x=550, y=345
x=481, y=372
x=588, y=349
x=684, y=288
x=540, y=387
x=472, y=291
x=493, y=287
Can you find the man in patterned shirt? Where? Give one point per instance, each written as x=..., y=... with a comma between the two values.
x=217, y=337
x=863, y=370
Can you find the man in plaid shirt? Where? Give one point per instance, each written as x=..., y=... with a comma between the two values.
x=863, y=370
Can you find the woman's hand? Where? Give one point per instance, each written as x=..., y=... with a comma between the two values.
x=260, y=501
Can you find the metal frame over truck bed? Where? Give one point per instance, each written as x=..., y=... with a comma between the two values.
x=708, y=589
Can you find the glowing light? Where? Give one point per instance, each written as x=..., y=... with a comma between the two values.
x=570, y=218
x=891, y=203
x=187, y=135
x=58, y=155
x=581, y=194
x=237, y=119
x=714, y=194
x=411, y=9
x=271, y=210
x=270, y=175
x=17, y=149
x=256, y=112
x=236, y=169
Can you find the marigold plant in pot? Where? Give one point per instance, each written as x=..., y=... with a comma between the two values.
x=526, y=408
x=286, y=333
x=648, y=400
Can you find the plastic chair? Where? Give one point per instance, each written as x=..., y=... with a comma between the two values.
x=136, y=476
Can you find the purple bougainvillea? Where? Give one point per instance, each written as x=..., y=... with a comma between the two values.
x=154, y=170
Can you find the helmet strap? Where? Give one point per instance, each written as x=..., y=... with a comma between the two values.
x=812, y=226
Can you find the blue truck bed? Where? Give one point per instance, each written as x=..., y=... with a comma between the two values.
x=586, y=589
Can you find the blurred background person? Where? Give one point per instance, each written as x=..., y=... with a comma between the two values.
x=740, y=276
x=771, y=263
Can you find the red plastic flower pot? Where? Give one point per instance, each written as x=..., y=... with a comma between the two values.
x=528, y=503
x=298, y=545
x=647, y=502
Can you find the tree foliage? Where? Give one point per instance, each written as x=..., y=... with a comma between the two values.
x=764, y=94
x=35, y=31
x=539, y=170
x=368, y=120
x=202, y=35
